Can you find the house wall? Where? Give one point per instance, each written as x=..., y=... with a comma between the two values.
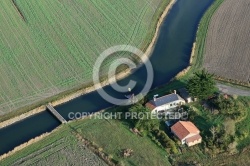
x=189, y=100
x=169, y=106
x=194, y=143
x=183, y=141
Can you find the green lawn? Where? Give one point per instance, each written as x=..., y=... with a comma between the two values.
x=244, y=125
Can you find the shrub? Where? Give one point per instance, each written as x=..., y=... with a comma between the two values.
x=243, y=134
x=229, y=125
x=174, y=150
x=110, y=156
x=165, y=141
x=158, y=143
x=127, y=152
x=121, y=163
x=144, y=133
x=235, y=97
x=232, y=147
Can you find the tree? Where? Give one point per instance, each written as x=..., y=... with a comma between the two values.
x=229, y=107
x=201, y=85
x=213, y=131
x=142, y=119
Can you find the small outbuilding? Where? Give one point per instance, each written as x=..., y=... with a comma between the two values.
x=187, y=133
x=185, y=95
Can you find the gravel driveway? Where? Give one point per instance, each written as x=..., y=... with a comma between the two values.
x=233, y=90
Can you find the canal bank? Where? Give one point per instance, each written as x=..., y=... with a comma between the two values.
x=171, y=55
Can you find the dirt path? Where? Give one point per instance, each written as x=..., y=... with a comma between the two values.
x=233, y=90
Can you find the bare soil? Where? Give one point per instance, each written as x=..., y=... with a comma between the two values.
x=227, y=51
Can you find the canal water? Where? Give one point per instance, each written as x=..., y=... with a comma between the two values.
x=170, y=55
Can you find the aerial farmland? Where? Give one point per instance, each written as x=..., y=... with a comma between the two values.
x=227, y=51
x=47, y=47
x=57, y=150
x=186, y=104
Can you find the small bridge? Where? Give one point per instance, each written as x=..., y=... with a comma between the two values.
x=55, y=113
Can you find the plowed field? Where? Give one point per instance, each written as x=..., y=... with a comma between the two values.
x=227, y=50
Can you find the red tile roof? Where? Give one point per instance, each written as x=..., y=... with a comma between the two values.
x=150, y=106
x=182, y=129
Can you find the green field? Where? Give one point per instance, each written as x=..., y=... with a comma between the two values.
x=60, y=148
x=110, y=136
x=47, y=47
x=113, y=136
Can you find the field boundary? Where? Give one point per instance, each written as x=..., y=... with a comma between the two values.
x=232, y=82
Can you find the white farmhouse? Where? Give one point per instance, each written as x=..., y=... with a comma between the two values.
x=164, y=103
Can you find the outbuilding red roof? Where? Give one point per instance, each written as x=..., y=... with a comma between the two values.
x=182, y=129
